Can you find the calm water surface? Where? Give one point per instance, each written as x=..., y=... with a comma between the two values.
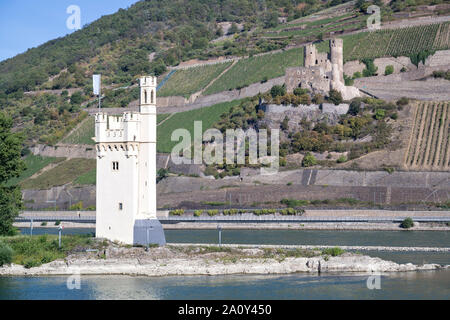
x=306, y=237
x=416, y=285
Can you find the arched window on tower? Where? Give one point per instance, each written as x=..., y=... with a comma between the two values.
x=153, y=94
x=145, y=97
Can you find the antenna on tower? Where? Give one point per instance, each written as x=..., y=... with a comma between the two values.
x=96, y=79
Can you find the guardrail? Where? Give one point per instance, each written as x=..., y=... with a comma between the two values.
x=242, y=219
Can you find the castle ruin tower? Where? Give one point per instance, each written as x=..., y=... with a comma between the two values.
x=310, y=55
x=337, y=58
x=126, y=173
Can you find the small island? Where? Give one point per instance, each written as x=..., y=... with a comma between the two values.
x=41, y=256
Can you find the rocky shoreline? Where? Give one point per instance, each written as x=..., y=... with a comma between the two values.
x=175, y=260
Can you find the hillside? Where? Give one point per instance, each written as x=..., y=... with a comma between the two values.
x=221, y=48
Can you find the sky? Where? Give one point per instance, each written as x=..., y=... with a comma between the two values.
x=26, y=24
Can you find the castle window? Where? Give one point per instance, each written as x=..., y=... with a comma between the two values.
x=115, y=165
x=145, y=93
x=153, y=93
x=120, y=206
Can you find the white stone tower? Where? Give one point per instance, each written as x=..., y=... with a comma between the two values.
x=126, y=173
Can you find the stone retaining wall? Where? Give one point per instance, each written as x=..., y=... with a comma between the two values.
x=65, y=151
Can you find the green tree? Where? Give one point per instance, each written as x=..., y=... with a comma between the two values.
x=335, y=97
x=371, y=69
x=11, y=166
x=407, y=223
x=277, y=91
x=355, y=107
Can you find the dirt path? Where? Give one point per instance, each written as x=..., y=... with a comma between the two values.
x=434, y=130
x=78, y=126
x=410, y=150
x=440, y=138
x=171, y=115
x=419, y=138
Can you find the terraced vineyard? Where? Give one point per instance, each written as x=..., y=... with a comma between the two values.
x=256, y=69
x=429, y=145
x=397, y=42
x=189, y=81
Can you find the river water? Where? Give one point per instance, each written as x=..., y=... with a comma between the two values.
x=415, y=285
x=411, y=285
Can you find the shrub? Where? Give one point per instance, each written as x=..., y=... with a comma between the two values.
x=309, y=160
x=198, y=213
x=294, y=203
x=402, y=101
x=334, y=252
x=388, y=70
x=57, y=223
x=6, y=254
x=407, y=223
x=317, y=99
x=380, y=114
x=230, y=212
x=288, y=212
x=357, y=75
x=342, y=159
x=176, y=212
x=77, y=206
x=389, y=170
x=300, y=91
x=212, y=213
x=349, y=81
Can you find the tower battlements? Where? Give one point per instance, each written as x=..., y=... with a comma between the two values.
x=123, y=128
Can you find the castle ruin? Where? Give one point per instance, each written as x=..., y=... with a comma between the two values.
x=322, y=72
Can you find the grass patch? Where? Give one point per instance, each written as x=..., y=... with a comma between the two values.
x=257, y=69
x=83, y=134
x=208, y=116
x=64, y=173
x=334, y=252
x=88, y=178
x=35, y=251
x=186, y=82
x=34, y=164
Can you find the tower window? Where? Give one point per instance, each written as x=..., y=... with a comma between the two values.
x=120, y=206
x=115, y=165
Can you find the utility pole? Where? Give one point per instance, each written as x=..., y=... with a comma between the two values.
x=60, y=231
x=219, y=228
